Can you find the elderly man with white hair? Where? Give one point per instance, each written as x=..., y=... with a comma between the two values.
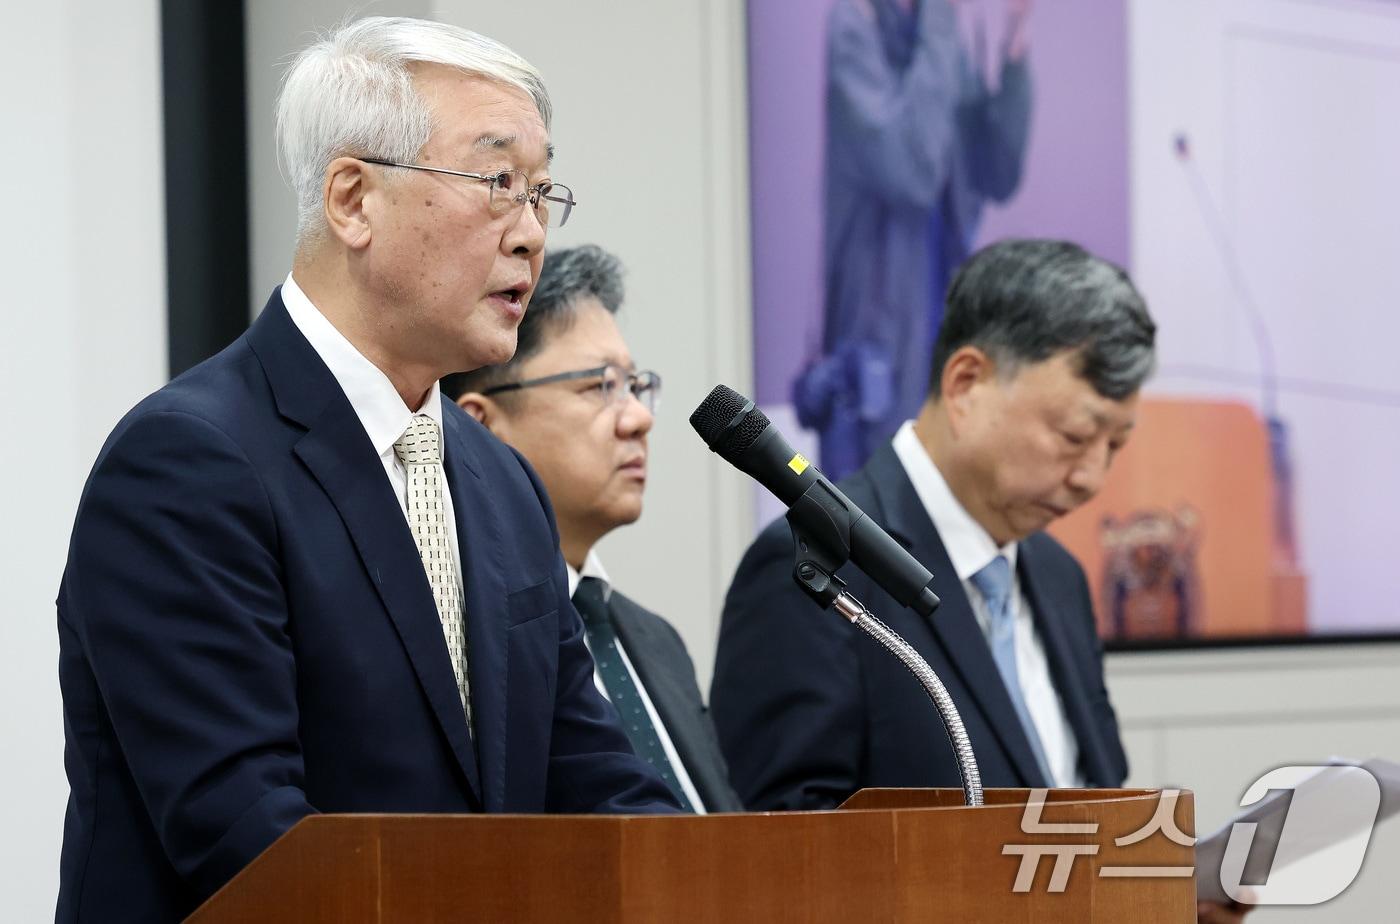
x=299, y=580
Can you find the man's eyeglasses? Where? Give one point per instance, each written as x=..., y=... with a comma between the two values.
x=510, y=189
x=614, y=384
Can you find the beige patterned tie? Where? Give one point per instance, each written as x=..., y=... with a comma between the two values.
x=420, y=451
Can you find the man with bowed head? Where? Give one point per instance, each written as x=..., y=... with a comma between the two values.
x=299, y=580
x=1034, y=390
x=573, y=403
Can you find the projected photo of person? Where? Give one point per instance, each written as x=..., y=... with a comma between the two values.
x=922, y=130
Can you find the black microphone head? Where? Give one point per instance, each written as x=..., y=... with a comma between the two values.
x=720, y=407
x=728, y=422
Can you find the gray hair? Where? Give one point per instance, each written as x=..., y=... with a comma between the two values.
x=568, y=276
x=350, y=93
x=1024, y=301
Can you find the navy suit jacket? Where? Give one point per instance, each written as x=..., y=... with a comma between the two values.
x=247, y=636
x=809, y=709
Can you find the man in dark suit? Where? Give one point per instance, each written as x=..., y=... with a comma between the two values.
x=1036, y=374
x=299, y=580
x=572, y=402
x=1034, y=389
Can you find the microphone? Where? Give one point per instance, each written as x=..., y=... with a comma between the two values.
x=830, y=529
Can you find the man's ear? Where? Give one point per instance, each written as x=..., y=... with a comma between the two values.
x=964, y=373
x=481, y=407
x=347, y=185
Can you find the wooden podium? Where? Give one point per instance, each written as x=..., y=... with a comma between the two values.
x=886, y=855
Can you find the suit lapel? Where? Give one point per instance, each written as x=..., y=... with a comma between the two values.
x=643, y=658
x=953, y=623
x=1064, y=670
x=663, y=685
x=340, y=457
x=483, y=581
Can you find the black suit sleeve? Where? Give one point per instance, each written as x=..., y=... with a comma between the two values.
x=787, y=696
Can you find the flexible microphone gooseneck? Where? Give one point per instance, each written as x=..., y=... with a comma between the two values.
x=828, y=530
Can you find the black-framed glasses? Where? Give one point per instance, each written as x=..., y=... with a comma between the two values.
x=614, y=383
x=510, y=189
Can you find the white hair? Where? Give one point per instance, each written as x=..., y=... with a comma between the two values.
x=350, y=94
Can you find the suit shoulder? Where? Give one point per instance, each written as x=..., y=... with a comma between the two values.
x=859, y=486
x=621, y=603
x=518, y=491
x=1061, y=575
x=217, y=391
x=489, y=449
x=177, y=420
x=774, y=541
x=1048, y=550
x=777, y=534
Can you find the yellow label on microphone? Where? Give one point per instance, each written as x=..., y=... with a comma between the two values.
x=798, y=464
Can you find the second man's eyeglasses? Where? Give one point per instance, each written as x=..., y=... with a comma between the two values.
x=615, y=384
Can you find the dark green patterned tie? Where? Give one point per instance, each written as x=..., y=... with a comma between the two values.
x=617, y=680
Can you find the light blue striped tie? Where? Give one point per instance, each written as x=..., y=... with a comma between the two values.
x=994, y=583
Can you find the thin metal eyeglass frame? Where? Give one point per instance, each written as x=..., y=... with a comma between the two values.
x=532, y=193
x=588, y=374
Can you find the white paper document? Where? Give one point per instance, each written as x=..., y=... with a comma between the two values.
x=1303, y=833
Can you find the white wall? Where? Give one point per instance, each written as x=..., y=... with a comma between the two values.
x=82, y=338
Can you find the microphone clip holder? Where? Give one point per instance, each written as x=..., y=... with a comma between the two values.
x=821, y=530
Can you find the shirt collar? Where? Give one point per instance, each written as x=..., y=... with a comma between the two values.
x=970, y=547
x=375, y=400
x=592, y=567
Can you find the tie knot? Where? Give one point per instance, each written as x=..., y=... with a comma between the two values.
x=589, y=600
x=993, y=582
x=420, y=443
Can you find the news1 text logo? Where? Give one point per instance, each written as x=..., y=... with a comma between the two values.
x=1311, y=857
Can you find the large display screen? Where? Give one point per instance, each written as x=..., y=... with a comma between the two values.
x=1241, y=160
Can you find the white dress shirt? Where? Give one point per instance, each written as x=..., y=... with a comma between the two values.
x=375, y=400
x=971, y=549
x=593, y=568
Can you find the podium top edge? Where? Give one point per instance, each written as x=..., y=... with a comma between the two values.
x=1006, y=799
